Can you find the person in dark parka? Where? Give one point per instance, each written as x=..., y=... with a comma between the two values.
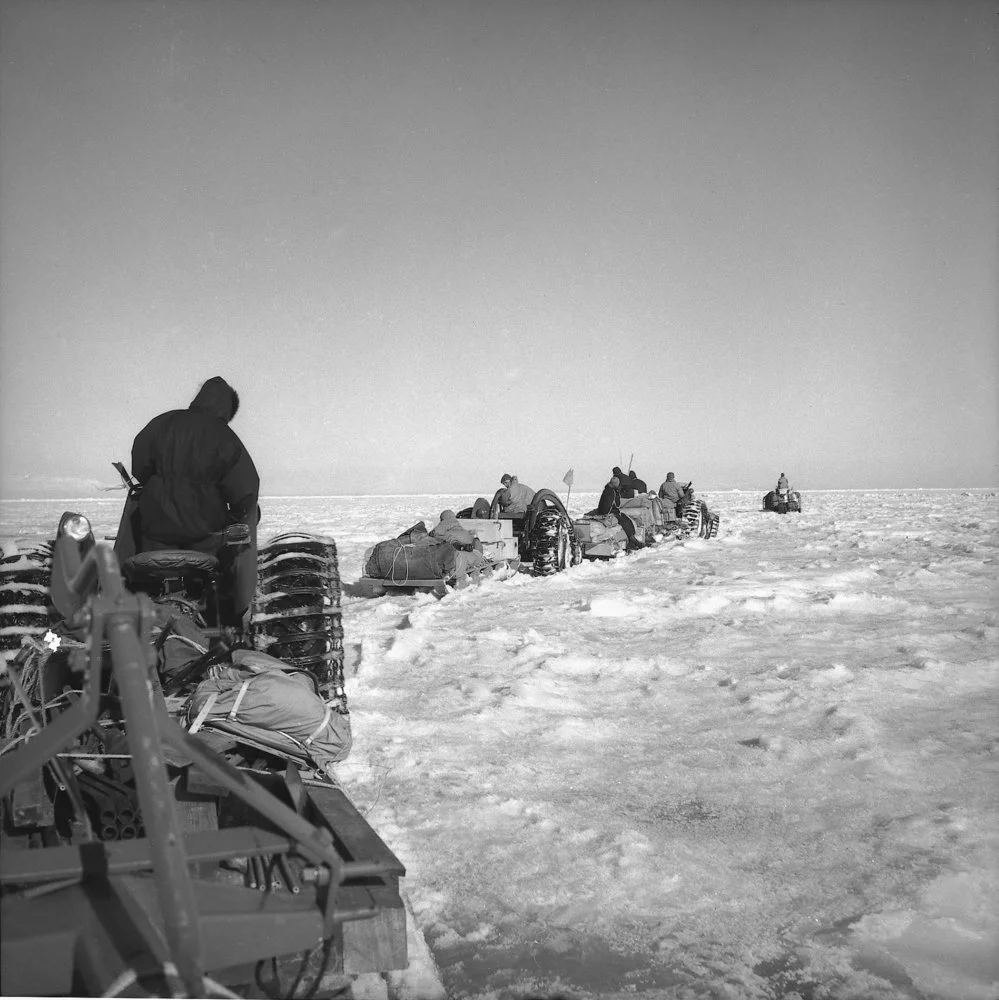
x=626, y=486
x=196, y=478
x=610, y=498
x=639, y=485
x=610, y=503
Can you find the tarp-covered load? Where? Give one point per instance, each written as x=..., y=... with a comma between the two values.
x=596, y=528
x=400, y=562
x=272, y=705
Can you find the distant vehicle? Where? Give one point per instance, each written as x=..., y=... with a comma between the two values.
x=783, y=501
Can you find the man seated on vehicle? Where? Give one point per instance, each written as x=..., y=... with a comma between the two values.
x=450, y=530
x=196, y=479
x=512, y=499
x=782, y=483
x=626, y=487
x=610, y=504
x=469, y=558
x=671, y=493
x=639, y=485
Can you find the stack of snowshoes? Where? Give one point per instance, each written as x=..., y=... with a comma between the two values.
x=296, y=615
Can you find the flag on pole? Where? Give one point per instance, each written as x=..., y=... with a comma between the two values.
x=568, y=477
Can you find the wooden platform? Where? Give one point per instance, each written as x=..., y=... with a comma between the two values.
x=375, y=587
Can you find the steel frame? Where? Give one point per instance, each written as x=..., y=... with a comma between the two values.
x=91, y=592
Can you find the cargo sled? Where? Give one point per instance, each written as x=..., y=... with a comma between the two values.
x=542, y=542
x=602, y=537
x=153, y=847
x=415, y=561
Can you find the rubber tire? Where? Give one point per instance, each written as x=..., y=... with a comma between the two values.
x=705, y=529
x=695, y=520
x=551, y=544
x=296, y=613
x=25, y=603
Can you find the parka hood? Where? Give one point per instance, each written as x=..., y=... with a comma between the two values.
x=218, y=398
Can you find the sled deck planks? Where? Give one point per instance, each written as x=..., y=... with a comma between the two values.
x=379, y=942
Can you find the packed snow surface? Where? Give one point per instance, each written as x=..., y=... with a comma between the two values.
x=759, y=766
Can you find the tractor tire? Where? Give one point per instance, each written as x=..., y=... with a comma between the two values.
x=692, y=514
x=296, y=613
x=552, y=543
x=25, y=605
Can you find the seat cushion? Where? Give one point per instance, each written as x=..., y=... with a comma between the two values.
x=169, y=562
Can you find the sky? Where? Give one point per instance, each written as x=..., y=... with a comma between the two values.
x=432, y=242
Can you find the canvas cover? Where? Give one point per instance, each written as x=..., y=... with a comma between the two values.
x=179, y=644
x=646, y=514
x=426, y=559
x=272, y=704
x=598, y=528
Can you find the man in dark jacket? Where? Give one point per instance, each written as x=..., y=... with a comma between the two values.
x=639, y=485
x=626, y=486
x=610, y=503
x=610, y=498
x=196, y=479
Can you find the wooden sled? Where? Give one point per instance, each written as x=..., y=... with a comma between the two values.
x=375, y=587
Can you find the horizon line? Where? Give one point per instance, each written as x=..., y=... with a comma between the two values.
x=453, y=493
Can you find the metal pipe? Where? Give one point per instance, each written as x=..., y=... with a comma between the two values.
x=173, y=883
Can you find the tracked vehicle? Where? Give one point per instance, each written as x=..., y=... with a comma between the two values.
x=783, y=501
x=602, y=537
x=142, y=854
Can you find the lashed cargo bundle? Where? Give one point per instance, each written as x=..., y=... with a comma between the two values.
x=597, y=528
x=646, y=513
x=401, y=562
x=272, y=705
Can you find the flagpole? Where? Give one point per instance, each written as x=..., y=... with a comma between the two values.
x=568, y=480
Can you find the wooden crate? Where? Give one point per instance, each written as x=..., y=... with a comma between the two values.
x=488, y=529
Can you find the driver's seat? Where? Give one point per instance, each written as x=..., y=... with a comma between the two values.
x=187, y=572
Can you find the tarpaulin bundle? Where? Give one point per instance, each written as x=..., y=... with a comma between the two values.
x=401, y=562
x=274, y=705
